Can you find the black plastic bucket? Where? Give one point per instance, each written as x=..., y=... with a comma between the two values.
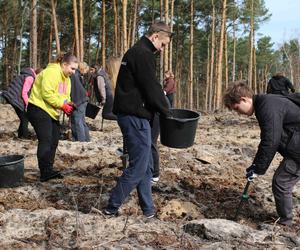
x=179, y=130
x=11, y=170
x=91, y=110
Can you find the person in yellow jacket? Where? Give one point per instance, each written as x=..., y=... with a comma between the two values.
x=50, y=95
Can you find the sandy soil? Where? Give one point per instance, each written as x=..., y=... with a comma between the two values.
x=203, y=181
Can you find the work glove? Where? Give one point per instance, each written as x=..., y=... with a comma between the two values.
x=250, y=173
x=88, y=93
x=67, y=108
x=293, y=90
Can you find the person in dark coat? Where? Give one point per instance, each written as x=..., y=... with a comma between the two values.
x=280, y=85
x=80, y=130
x=103, y=92
x=279, y=120
x=138, y=96
x=17, y=95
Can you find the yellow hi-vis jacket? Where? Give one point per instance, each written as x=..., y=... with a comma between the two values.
x=50, y=90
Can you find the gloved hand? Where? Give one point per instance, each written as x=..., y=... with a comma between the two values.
x=67, y=108
x=293, y=90
x=88, y=93
x=250, y=173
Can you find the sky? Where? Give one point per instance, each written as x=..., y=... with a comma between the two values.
x=284, y=23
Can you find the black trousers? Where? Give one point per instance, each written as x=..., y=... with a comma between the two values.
x=23, y=127
x=47, y=131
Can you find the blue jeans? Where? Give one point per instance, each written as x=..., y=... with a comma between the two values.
x=80, y=130
x=137, y=135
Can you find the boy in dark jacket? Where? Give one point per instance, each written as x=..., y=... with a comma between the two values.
x=279, y=120
x=138, y=96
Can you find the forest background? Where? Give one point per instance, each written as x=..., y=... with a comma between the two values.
x=214, y=41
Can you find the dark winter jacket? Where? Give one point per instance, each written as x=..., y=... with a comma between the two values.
x=108, y=88
x=279, y=120
x=279, y=85
x=78, y=92
x=138, y=91
x=13, y=94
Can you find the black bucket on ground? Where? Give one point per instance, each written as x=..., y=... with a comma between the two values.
x=179, y=130
x=11, y=170
x=92, y=110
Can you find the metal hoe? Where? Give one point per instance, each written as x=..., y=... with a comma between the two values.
x=244, y=197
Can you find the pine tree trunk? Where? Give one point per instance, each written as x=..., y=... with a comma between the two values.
x=116, y=29
x=124, y=25
x=166, y=49
x=250, y=66
x=191, y=71
x=171, y=43
x=207, y=77
x=21, y=36
x=220, y=58
x=103, y=42
x=133, y=32
x=81, y=36
x=226, y=59
x=50, y=40
x=77, y=48
x=33, y=35
x=53, y=5
x=234, y=51
x=212, y=60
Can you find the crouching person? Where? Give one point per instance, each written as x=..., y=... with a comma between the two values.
x=279, y=120
x=50, y=94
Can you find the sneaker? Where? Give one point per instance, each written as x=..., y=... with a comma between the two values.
x=119, y=151
x=51, y=174
x=108, y=213
x=154, y=180
x=150, y=216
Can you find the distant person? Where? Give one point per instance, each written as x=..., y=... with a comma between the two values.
x=103, y=92
x=279, y=121
x=49, y=96
x=138, y=96
x=169, y=86
x=279, y=85
x=80, y=130
x=17, y=95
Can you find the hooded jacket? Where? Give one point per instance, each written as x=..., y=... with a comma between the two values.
x=279, y=85
x=14, y=92
x=279, y=120
x=138, y=91
x=50, y=90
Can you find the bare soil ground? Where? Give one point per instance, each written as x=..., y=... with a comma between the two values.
x=203, y=181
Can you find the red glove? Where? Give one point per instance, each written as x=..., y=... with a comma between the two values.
x=67, y=108
x=88, y=93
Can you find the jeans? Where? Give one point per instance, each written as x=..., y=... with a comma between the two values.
x=23, y=127
x=80, y=130
x=47, y=131
x=285, y=178
x=137, y=135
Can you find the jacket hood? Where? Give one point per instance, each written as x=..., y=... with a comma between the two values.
x=28, y=71
x=55, y=67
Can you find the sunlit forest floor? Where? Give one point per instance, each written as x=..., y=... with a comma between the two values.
x=202, y=182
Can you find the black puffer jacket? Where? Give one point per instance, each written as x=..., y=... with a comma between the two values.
x=279, y=85
x=138, y=91
x=13, y=94
x=279, y=120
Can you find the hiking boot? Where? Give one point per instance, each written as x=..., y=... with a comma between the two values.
x=50, y=174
